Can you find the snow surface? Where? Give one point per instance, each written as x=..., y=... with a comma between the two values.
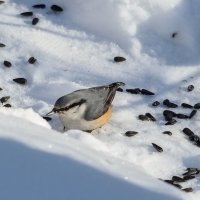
x=75, y=50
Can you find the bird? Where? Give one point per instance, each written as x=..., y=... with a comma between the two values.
x=86, y=109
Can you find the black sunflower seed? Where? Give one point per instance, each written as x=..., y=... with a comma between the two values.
x=174, y=34
x=181, y=116
x=188, y=177
x=188, y=132
x=166, y=102
x=168, y=114
x=119, y=59
x=185, y=105
x=7, y=105
x=146, y=92
x=177, y=179
x=171, y=122
x=7, y=63
x=120, y=89
x=187, y=189
x=32, y=60
x=2, y=45
x=42, y=6
x=158, y=148
x=151, y=117
x=167, y=132
x=130, y=133
x=134, y=91
x=155, y=103
x=197, y=106
x=4, y=99
x=56, y=8
x=27, y=14
x=21, y=81
x=35, y=21
x=143, y=117
x=47, y=118
x=192, y=114
x=190, y=88
x=1, y=89
x=172, y=105
x=1, y=2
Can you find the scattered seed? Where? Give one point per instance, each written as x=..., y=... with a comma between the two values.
x=167, y=132
x=42, y=6
x=188, y=132
x=177, y=179
x=155, y=103
x=187, y=189
x=188, y=177
x=181, y=116
x=7, y=63
x=134, y=91
x=35, y=21
x=4, y=99
x=169, y=104
x=32, y=60
x=21, y=81
x=168, y=114
x=120, y=89
x=190, y=88
x=151, y=117
x=2, y=45
x=166, y=102
x=174, y=34
x=197, y=106
x=56, y=8
x=146, y=92
x=192, y=114
x=171, y=122
x=47, y=118
x=27, y=14
x=119, y=59
x=143, y=117
x=130, y=133
x=7, y=105
x=185, y=105
x=158, y=148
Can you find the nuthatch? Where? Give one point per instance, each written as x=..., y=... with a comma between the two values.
x=86, y=109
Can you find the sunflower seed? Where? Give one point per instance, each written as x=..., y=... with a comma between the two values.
x=168, y=114
x=42, y=6
x=188, y=132
x=27, y=14
x=130, y=133
x=151, y=117
x=7, y=105
x=171, y=122
x=21, y=81
x=167, y=132
x=146, y=92
x=1, y=2
x=7, y=63
x=187, y=190
x=143, y=117
x=192, y=114
x=35, y=21
x=158, y=148
x=32, y=60
x=155, y=103
x=2, y=45
x=177, y=179
x=56, y=8
x=185, y=105
x=190, y=88
x=134, y=91
x=197, y=106
x=119, y=59
x=181, y=116
x=4, y=99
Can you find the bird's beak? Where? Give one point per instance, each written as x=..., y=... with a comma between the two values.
x=50, y=113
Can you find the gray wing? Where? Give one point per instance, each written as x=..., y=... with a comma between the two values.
x=100, y=100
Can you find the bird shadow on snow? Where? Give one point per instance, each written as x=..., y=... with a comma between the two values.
x=182, y=48
x=28, y=173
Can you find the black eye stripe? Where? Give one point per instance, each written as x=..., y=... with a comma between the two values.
x=70, y=106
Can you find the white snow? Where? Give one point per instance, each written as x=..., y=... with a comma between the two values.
x=74, y=50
